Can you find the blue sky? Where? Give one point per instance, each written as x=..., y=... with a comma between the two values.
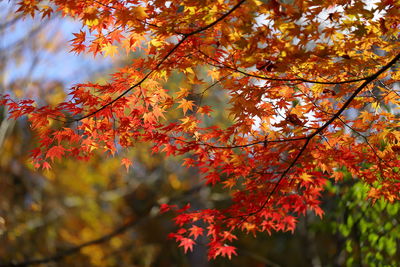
x=43, y=64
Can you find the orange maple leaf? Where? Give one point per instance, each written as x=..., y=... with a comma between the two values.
x=126, y=162
x=186, y=105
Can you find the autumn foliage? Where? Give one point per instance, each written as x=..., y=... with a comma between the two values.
x=312, y=89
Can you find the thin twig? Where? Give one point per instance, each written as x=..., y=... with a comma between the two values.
x=222, y=65
x=319, y=130
x=185, y=36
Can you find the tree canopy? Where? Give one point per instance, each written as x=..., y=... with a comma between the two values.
x=311, y=95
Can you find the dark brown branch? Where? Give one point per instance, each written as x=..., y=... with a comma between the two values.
x=222, y=65
x=133, y=86
x=319, y=130
x=363, y=137
x=118, y=231
x=208, y=88
x=368, y=80
x=263, y=142
x=217, y=20
x=355, y=93
x=314, y=103
x=60, y=255
x=380, y=160
x=185, y=36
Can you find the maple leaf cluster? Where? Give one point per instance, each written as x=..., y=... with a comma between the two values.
x=311, y=89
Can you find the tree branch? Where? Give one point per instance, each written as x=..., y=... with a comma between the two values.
x=62, y=254
x=279, y=79
x=118, y=231
x=319, y=130
x=185, y=36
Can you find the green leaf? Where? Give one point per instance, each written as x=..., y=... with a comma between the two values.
x=372, y=238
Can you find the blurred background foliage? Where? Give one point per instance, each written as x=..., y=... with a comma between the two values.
x=46, y=212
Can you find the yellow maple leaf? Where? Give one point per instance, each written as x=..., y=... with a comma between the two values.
x=109, y=50
x=188, y=124
x=366, y=116
x=92, y=22
x=140, y=12
x=214, y=74
x=305, y=177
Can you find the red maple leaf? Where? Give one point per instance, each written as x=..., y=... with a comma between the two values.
x=55, y=152
x=225, y=250
x=187, y=243
x=196, y=231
